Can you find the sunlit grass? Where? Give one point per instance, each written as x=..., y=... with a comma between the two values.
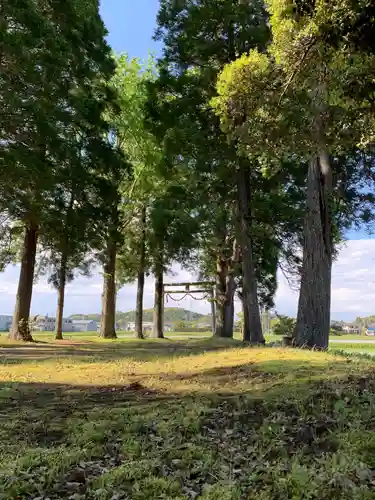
x=355, y=347
x=120, y=363
x=126, y=335
x=177, y=419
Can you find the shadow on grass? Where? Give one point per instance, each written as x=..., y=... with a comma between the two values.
x=37, y=413
x=189, y=440
x=38, y=406
x=143, y=350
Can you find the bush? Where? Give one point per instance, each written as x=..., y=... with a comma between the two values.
x=335, y=331
x=285, y=326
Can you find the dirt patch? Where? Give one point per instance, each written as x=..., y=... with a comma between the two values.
x=69, y=342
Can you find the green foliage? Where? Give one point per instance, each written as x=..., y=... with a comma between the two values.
x=102, y=151
x=298, y=100
x=189, y=30
x=195, y=51
x=284, y=326
x=180, y=326
x=138, y=143
x=55, y=68
x=365, y=320
x=150, y=194
x=52, y=107
x=336, y=329
x=241, y=87
x=263, y=97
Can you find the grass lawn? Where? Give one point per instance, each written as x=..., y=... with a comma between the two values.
x=364, y=338
x=354, y=348
x=184, y=419
x=122, y=333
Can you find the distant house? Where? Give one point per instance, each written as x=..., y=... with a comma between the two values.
x=47, y=324
x=5, y=323
x=84, y=325
x=350, y=329
x=147, y=327
x=370, y=329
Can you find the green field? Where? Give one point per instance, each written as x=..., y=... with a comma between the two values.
x=237, y=335
x=354, y=348
x=207, y=419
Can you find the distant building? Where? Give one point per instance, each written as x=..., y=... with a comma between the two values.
x=350, y=329
x=370, y=329
x=47, y=324
x=147, y=327
x=84, y=325
x=5, y=323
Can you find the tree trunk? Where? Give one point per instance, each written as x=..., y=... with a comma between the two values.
x=61, y=298
x=20, y=329
x=157, y=329
x=220, y=297
x=252, y=330
x=108, y=318
x=225, y=288
x=313, y=318
x=229, y=307
x=141, y=279
x=62, y=275
x=213, y=311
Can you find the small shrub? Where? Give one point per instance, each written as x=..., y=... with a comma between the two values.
x=335, y=331
x=285, y=326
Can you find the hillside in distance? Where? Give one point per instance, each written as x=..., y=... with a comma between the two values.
x=171, y=315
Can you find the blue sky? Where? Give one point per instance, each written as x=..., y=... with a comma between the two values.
x=131, y=24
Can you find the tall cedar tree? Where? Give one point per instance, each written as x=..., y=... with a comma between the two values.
x=144, y=155
x=68, y=246
x=199, y=38
x=54, y=57
x=297, y=102
x=332, y=126
x=154, y=207
x=112, y=238
x=173, y=228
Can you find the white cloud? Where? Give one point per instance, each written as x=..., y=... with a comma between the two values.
x=353, y=288
x=353, y=283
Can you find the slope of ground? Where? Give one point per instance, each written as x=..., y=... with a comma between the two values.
x=184, y=419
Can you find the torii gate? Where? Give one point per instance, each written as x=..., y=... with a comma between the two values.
x=207, y=288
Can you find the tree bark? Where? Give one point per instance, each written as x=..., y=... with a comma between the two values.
x=108, y=318
x=157, y=329
x=213, y=311
x=62, y=275
x=313, y=317
x=20, y=329
x=61, y=298
x=225, y=288
x=252, y=330
x=141, y=279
